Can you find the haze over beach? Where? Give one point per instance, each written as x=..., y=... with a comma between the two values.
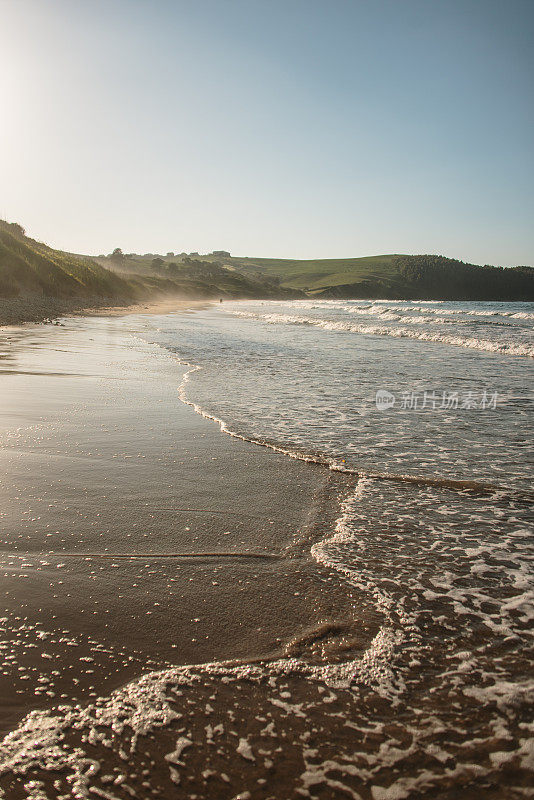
x=266, y=400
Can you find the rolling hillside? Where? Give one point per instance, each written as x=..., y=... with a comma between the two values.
x=396, y=276
x=30, y=267
x=315, y=275
x=37, y=282
x=202, y=275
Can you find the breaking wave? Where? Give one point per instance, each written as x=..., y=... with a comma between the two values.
x=506, y=348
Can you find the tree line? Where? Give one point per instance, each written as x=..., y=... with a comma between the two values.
x=437, y=277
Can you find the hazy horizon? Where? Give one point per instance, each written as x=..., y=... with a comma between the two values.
x=281, y=130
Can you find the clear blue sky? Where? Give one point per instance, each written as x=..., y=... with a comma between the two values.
x=297, y=128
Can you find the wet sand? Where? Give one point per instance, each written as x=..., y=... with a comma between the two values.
x=135, y=535
x=166, y=305
x=35, y=308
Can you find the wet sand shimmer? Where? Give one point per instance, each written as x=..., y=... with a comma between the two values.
x=134, y=534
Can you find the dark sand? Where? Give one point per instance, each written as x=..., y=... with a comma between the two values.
x=135, y=534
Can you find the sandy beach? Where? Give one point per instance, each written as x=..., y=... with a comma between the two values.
x=24, y=309
x=135, y=535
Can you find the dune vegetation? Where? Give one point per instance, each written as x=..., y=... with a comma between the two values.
x=30, y=267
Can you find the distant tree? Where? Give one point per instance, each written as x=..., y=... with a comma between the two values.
x=157, y=264
x=170, y=255
x=117, y=255
x=17, y=229
x=13, y=227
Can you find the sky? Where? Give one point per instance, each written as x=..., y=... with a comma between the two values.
x=275, y=128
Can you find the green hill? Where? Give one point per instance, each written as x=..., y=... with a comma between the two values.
x=397, y=277
x=55, y=281
x=30, y=267
x=37, y=281
x=202, y=275
x=314, y=275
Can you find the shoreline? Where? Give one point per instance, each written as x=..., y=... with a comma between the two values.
x=164, y=306
x=186, y=536
x=108, y=636
x=46, y=310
